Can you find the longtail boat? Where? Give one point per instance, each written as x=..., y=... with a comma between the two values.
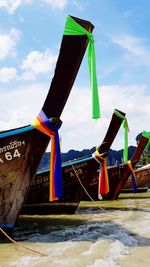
x=77, y=175
x=118, y=175
x=21, y=149
x=142, y=177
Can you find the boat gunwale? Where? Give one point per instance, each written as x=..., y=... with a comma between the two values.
x=16, y=131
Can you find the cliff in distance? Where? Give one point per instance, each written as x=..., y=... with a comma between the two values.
x=114, y=156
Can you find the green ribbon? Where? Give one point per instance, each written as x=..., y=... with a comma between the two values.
x=126, y=129
x=147, y=135
x=73, y=28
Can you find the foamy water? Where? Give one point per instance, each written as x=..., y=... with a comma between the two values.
x=92, y=238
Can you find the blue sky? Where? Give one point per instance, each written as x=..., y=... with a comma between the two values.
x=30, y=36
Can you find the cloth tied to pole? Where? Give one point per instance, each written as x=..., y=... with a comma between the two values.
x=147, y=135
x=46, y=126
x=103, y=182
x=73, y=28
x=134, y=186
x=126, y=130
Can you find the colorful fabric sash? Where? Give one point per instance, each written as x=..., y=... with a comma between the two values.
x=126, y=130
x=147, y=135
x=103, y=185
x=43, y=124
x=134, y=186
x=73, y=28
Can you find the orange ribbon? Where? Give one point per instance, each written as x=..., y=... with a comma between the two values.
x=103, y=187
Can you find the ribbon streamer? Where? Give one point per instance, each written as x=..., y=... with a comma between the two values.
x=134, y=186
x=103, y=187
x=73, y=28
x=147, y=135
x=126, y=130
x=43, y=124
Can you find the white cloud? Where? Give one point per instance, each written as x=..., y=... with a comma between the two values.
x=21, y=105
x=38, y=62
x=134, y=47
x=12, y=5
x=78, y=130
x=56, y=4
x=7, y=74
x=8, y=43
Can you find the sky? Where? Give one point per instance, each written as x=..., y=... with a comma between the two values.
x=30, y=37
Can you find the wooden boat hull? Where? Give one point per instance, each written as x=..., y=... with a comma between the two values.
x=139, y=190
x=142, y=177
x=17, y=169
x=38, y=200
x=74, y=185
x=114, y=174
x=113, y=177
x=123, y=171
x=21, y=149
x=117, y=175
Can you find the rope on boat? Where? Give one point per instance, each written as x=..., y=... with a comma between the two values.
x=12, y=240
x=83, y=185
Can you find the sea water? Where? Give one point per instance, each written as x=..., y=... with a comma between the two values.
x=100, y=234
